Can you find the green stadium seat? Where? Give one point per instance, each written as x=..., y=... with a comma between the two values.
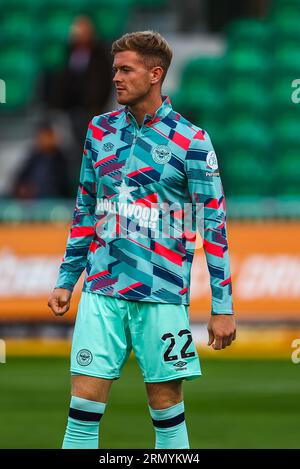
x=285, y=11
x=286, y=161
x=17, y=27
x=245, y=173
x=111, y=23
x=286, y=132
x=287, y=62
x=150, y=3
x=250, y=133
x=285, y=22
x=110, y=17
x=247, y=151
x=57, y=5
x=201, y=81
x=248, y=62
x=57, y=26
x=203, y=68
x=18, y=62
x=287, y=171
x=247, y=96
x=204, y=100
x=281, y=97
x=19, y=92
x=53, y=54
x=249, y=33
x=10, y=6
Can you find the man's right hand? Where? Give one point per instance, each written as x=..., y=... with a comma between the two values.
x=59, y=301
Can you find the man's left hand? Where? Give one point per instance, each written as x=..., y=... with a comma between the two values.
x=221, y=330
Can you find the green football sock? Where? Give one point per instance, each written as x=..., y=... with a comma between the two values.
x=170, y=427
x=82, y=430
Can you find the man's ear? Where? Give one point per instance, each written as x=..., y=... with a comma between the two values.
x=156, y=75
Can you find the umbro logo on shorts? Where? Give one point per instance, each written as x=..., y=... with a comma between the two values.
x=180, y=364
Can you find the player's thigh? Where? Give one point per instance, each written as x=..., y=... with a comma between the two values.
x=91, y=388
x=163, y=395
x=162, y=343
x=101, y=341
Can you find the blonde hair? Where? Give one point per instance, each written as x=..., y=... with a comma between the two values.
x=150, y=45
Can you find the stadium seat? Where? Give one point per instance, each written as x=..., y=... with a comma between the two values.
x=247, y=150
x=285, y=21
x=203, y=96
x=53, y=54
x=245, y=173
x=250, y=133
x=58, y=5
x=110, y=17
x=248, y=62
x=58, y=24
x=284, y=11
x=287, y=61
x=19, y=92
x=286, y=131
x=18, y=62
x=206, y=68
x=287, y=145
x=111, y=23
x=150, y=3
x=281, y=96
x=17, y=27
x=247, y=96
x=11, y=6
x=200, y=83
x=287, y=170
x=249, y=33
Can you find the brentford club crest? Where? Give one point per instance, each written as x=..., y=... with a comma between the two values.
x=161, y=154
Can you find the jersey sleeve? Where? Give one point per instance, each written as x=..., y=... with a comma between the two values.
x=205, y=188
x=82, y=227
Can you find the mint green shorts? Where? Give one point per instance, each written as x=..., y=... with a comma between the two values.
x=107, y=329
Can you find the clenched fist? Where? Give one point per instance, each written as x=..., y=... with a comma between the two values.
x=221, y=330
x=59, y=301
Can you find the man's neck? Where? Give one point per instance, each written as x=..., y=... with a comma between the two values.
x=142, y=108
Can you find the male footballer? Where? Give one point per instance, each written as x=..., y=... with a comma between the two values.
x=144, y=166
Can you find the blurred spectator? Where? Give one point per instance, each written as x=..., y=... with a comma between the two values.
x=44, y=173
x=83, y=86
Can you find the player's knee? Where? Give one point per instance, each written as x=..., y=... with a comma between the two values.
x=92, y=389
x=159, y=404
x=164, y=395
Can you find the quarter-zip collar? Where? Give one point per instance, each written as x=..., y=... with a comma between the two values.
x=164, y=109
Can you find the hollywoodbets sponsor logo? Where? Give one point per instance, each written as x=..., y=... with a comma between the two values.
x=118, y=218
x=145, y=216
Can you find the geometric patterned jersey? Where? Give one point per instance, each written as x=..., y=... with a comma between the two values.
x=143, y=194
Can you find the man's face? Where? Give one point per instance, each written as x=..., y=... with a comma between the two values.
x=131, y=77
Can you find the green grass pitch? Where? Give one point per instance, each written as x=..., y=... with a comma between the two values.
x=235, y=404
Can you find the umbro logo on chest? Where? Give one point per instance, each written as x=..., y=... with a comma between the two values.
x=108, y=146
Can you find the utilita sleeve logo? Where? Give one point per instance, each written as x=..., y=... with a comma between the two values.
x=2, y=92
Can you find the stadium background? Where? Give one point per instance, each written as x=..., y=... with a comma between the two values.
x=232, y=74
